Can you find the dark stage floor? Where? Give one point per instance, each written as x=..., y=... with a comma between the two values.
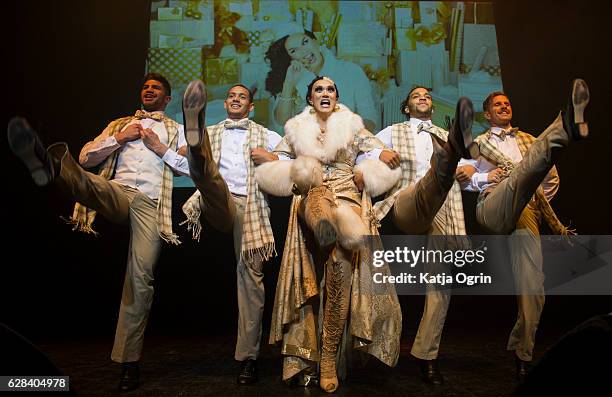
x=474, y=363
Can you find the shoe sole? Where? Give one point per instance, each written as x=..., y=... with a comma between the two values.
x=22, y=139
x=194, y=101
x=466, y=120
x=325, y=233
x=580, y=99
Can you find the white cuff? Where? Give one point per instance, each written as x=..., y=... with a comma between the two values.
x=170, y=157
x=374, y=154
x=480, y=179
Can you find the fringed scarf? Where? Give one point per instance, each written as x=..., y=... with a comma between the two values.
x=82, y=217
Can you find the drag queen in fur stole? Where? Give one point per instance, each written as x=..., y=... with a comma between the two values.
x=329, y=218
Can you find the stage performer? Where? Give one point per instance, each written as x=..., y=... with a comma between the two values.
x=428, y=201
x=328, y=207
x=517, y=179
x=222, y=161
x=137, y=156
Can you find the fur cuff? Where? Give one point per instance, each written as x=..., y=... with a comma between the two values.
x=351, y=228
x=378, y=177
x=306, y=173
x=273, y=177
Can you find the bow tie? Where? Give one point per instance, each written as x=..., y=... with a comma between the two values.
x=239, y=125
x=424, y=127
x=503, y=133
x=141, y=114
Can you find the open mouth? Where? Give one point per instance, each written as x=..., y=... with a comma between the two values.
x=235, y=106
x=325, y=103
x=308, y=60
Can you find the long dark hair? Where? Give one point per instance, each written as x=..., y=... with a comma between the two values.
x=279, y=60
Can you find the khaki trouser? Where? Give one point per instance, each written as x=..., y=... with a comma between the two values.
x=419, y=210
x=251, y=293
x=119, y=203
x=500, y=210
x=416, y=205
x=505, y=210
x=526, y=258
x=427, y=340
x=226, y=212
x=216, y=201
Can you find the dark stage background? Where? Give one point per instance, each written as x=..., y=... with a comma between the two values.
x=76, y=65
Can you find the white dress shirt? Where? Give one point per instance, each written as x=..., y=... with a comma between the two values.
x=233, y=164
x=423, y=144
x=137, y=166
x=509, y=147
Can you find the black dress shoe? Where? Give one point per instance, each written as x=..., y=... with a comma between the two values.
x=430, y=372
x=248, y=372
x=522, y=368
x=26, y=144
x=573, y=116
x=130, y=376
x=460, y=134
x=194, y=107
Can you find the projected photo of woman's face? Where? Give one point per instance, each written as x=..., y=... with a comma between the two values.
x=374, y=51
x=304, y=49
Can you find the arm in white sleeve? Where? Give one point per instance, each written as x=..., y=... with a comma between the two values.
x=273, y=140
x=96, y=151
x=477, y=182
x=386, y=137
x=373, y=154
x=175, y=161
x=178, y=163
x=478, y=179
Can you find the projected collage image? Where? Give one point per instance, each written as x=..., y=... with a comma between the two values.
x=375, y=51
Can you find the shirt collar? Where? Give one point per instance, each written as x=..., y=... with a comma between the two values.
x=414, y=123
x=497, y=131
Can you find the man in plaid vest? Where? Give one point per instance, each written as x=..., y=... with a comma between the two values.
x=222, y=160
x=137, y=156
x=428, y=200
x=517, y=178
